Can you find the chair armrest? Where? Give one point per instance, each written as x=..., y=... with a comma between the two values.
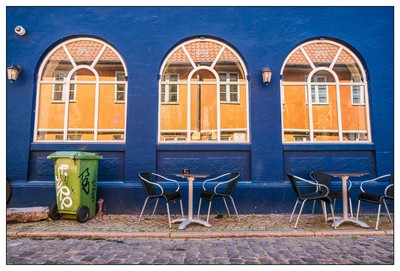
x=153, y=183
x=386, y=190
x=213, y=179
x=167, y=179
x=318, y=185
x=372, y=180
x=222, y=183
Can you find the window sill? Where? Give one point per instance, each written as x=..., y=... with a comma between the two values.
x=329, y=147
x=77, y=146
x=204, y=147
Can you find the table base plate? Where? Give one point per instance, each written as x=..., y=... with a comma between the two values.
x=341, y=220
x=186, y=221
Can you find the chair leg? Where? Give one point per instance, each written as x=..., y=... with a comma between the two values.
x=226, y=207
x=144, y=206
x=169, y=218
x=387, y=211
x=313, y=207
x=323, y=205
x=351, y=207
x=155, y=207
x=333, y=215
x=181, y=208
x=209, y=209
x=198, y=212
x=234, y=207
x=377, y=217
x=294, y=209
x=358, y=208
x=298, y=217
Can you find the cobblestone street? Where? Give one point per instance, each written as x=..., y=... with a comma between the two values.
x=376, y=250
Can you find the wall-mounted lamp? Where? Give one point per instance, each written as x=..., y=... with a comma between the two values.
x=266, y=75
x=12, y=72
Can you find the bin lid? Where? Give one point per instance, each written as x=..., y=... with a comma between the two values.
x=75, y=155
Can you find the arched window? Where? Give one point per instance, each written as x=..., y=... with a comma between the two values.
x=324, y=95
x=203, y=94
x=81, y=93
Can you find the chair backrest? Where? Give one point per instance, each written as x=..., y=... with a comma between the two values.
x=320, y=177
x=390, y=190
x=146, y=178
x=230, y=187
x=295, y=187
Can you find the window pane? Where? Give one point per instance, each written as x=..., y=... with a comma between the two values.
x=234, y=116
x=296, y=125
x=354, y=117
x=203, y=107
x=81, y=117
x=321, y=54
x=111, y=115
x=49, y=125
x=347, y=68
x=324, y=115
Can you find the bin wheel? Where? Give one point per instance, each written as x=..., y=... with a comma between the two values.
x=53, y=212
x=82, y=215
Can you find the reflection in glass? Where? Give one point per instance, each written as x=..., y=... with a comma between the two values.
x=82, y=93
x=328, y=75
x=196, y=115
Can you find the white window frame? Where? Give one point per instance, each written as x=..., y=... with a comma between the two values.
x=119, y=83
x=211, y=68
x=228, y=83
x=165, y=99
x=361, y=95
x=336, y=83
x=63, y=84
x=68, y=81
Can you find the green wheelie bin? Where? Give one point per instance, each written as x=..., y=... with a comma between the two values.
x=76, y=185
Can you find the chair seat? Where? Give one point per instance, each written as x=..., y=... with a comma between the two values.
x=337, y=194
x=372, y=198
x=172, y=196
x=208, y=195
x=315, y=195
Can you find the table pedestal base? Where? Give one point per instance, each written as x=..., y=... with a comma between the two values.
x=187, y=221
x=341, y=220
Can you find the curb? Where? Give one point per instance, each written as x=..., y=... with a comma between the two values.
x=197, y=235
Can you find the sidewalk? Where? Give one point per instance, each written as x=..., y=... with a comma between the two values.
x=126, y=226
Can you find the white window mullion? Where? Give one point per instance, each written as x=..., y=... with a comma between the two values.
x=96, y=112
x=69, y=56
x=310, y=115
x=98, y=56
x=66, y=116
x=218, y=111
x=339, y=109
x=188, y=111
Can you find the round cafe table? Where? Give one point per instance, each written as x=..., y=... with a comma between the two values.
x=190, y=219
x=339, y=220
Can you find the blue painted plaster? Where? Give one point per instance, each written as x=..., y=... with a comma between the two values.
x=144, y=36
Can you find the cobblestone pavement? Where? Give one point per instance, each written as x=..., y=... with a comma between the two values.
x=249, y=226
x=344, y=250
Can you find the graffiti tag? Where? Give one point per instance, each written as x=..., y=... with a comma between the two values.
x=84, y=177
x=63, y=191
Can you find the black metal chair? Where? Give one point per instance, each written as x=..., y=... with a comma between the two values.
x=156, y=191
x=319, y=177
x=321, y=193
x=375, y=198
x=227, y=181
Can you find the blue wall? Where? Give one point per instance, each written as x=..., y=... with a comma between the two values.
x=143, y=36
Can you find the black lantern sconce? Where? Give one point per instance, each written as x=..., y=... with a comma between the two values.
x=13, y=72
x=266, y=75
